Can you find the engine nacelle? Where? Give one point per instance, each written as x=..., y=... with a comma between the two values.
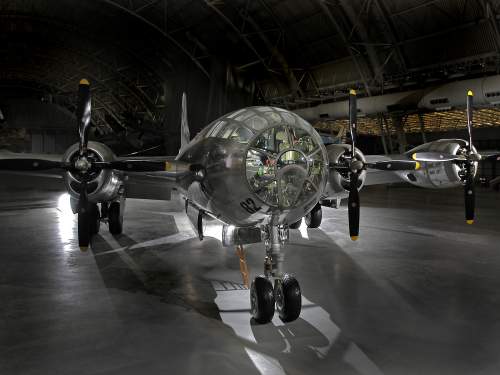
x=439, y=175
x=103, y=185
x=338, y=181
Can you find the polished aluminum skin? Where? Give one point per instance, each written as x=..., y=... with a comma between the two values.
x=262, y=165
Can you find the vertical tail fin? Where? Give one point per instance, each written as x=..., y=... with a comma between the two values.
x=185, y=137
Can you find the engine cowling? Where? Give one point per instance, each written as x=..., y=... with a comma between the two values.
x=439, y=175
x=338, y=182
x=103, y=185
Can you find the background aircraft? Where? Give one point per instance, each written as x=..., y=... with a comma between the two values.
x=259, y=171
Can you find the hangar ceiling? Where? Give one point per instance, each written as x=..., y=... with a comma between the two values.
x=298, y=53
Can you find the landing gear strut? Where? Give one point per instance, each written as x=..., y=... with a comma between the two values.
x=286, y=294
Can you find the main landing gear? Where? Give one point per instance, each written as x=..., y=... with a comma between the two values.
x=115, y=217
x=89, y=222
x=285, y=295
x=90, y=217
x=313, y=218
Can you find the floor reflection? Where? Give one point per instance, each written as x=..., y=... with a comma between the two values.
x=66, y=222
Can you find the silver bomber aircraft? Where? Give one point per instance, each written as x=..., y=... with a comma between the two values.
x=258, y=171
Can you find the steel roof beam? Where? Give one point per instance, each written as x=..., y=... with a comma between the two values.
x=293, y=84
x=384, y=12
x=492, y=19
x=333, y=21
x=133, y=13
x=211, y=5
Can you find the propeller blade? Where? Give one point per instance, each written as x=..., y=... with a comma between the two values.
x=470, y=95
x=353, y=114
x=147, y=165
x=83, y=196
x=491, y=157
x=395, y=165
x=83, y=111
x=340, y=167
x=16, y=164
x=469, y=193
x=353, y=199
x=133, y=165
x=83, y=216
x=353, y=207
x=436, y=157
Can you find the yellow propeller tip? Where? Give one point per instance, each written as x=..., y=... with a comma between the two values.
x=417, y=165
x=84, y=248
x=352, y=92
x=414, y=156
x=354, y=238
x=84, y=81
x=470, y=93
x=470, y=222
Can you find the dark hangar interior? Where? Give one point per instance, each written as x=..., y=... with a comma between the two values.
x=169, y=282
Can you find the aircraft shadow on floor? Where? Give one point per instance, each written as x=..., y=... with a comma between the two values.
x=190, y=273
x=204, y=277
x=142, y=270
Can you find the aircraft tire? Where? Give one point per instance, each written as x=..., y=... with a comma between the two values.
x=313, y=218
x=262, y=300
x=115, y=219
x=288, y=298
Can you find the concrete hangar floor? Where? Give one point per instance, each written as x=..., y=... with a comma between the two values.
x=419, y=293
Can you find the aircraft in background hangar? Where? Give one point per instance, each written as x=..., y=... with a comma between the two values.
x=259, y=171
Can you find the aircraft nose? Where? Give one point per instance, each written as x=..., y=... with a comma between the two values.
x=286, y=164
x=291, y=175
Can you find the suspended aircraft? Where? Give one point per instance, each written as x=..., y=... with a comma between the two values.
x=258, y=171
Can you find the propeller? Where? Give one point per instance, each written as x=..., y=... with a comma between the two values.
x=83, y=165
x=469, y=193
x=83, y=111
x=354, y=167
x=31, y=164
x=176, y=167
x=467, y=160
x=385, y=165
x=353, y=199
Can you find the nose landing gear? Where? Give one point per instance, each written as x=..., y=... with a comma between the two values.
x=286, y=294
x=288, y=298
x=262, y=300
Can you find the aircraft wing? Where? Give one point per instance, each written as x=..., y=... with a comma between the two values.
x=149, y=185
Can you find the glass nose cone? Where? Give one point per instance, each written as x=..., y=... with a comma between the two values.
x=291, y=173
x=285, y=166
